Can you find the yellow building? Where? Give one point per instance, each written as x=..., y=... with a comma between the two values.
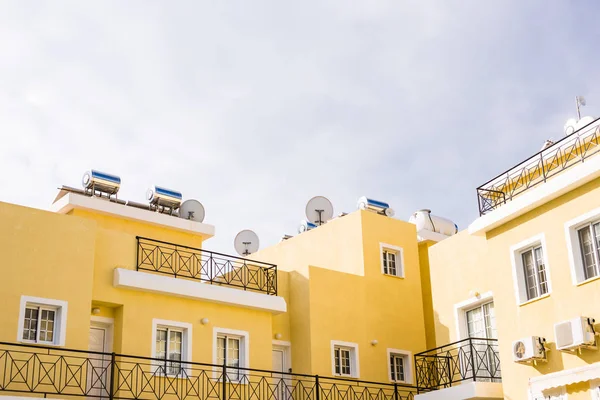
x=525, y=273
x=110, y=298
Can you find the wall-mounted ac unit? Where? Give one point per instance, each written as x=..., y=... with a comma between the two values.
x=529, y=349
x=575, y=333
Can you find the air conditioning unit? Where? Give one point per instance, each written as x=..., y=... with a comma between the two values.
x=529, y=349
x=575, y=333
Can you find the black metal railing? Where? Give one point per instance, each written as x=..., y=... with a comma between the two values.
x=206, y=266
x=565, y=153
x=471, y=359
x=54, y=372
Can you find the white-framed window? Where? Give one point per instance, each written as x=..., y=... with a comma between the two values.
x=171, y=342
x=42, y=321
x=231, y=348
x=530, y=269
x=595, y=388
x=399, y=366
x=344, y=359
x=392, y=260
x=583, y=242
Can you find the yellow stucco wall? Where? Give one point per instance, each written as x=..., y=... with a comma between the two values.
x=337, y=291
x=50, y=256
x=428, y=313
x=464, y=263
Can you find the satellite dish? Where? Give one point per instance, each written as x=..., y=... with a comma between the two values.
x=570, y=126
x=192, y=209
x=246, y=242
x=319, y=210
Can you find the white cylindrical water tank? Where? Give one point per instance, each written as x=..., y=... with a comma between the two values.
x=424, y=220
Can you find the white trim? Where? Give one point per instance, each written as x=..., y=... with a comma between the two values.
x=572, y=239
x=282, y=343
x=244, y=347
x=466, y=390
x=425, y=234
x=157, y=283
x=108, y=324
x=399, y=259
x=408, y=366
x=565, y=377
x=354, y=359
x=60, y=323
x=461, y=308
x=518, y=274
x=558, y=185
x=77, y=201
x=186, y=340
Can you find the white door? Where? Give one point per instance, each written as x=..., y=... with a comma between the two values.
x=98, y=368
x=279, y=382
x=481, y=324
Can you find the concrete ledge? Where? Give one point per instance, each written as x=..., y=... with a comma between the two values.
x=155, y=283
x=466, y=391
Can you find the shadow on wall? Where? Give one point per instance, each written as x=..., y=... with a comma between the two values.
x=442, y=332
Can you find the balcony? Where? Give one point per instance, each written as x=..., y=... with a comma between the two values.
x=38, y=371
x=572, y=150
x=206, y=266
x=456, y=364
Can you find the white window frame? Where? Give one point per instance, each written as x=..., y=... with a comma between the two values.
x=399, y=259
x=595, y=389
x=460, y=312
x=354, y=364
x=186, y=341
x=572, y=238
x=60, y=307
x=244, y=337
x=518, y=271
x=407, y=364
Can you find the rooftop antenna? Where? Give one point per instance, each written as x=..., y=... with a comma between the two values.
x=319, y=210
x=580, y=101
x=246, y=242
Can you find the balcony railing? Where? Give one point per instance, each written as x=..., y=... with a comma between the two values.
x=206, y=266
x=565, y=153
x=466, y=360
x=51, y=372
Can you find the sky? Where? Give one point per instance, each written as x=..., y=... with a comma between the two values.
x=254, y=107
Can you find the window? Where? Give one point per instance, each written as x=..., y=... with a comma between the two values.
x=228, y=353
x=231, y=348
x=530, y=269
x=535, y=272
x=171, y=342
x=399, y=366
x=344, y=359
x=589, y=244
x=42, y=321
x=391, y=260
x=169, y=346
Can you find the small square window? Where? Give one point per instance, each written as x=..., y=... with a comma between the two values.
x=399, y=366
x=344, y=359
x=230, y=348
x=172, y=343
x=391, y=260
x=42, y=321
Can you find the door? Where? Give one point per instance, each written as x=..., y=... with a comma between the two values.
x=99, y=365
x=280, y=384
x=481, y=324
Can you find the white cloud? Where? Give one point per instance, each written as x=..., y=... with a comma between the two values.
x=255, y=107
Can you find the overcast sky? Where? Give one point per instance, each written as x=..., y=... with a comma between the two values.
x=254, y=107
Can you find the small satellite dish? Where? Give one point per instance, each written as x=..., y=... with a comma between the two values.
x=319, y=210
x=570, y=126
x=192, y=209
x=246, y=242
